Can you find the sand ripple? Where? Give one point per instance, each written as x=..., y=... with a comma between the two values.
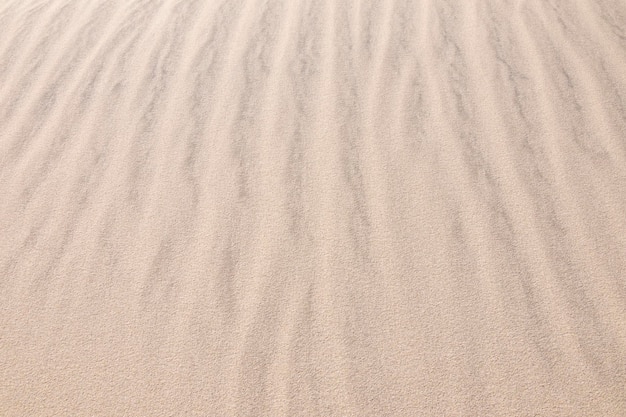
x=312, y=207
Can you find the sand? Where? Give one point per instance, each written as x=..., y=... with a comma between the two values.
x=312, y=208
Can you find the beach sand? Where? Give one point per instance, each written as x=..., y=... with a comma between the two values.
x=312, y=208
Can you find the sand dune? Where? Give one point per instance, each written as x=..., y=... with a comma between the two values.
x=312, y=208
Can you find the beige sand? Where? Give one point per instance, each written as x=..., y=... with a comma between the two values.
x=312, y=208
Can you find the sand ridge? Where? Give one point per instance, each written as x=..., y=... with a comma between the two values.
x=312, y=207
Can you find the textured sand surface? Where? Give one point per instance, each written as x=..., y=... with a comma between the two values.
x=312, y=208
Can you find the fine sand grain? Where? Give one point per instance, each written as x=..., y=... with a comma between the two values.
x=312, y=208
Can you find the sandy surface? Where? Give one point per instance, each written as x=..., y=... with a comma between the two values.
x=312, y=208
